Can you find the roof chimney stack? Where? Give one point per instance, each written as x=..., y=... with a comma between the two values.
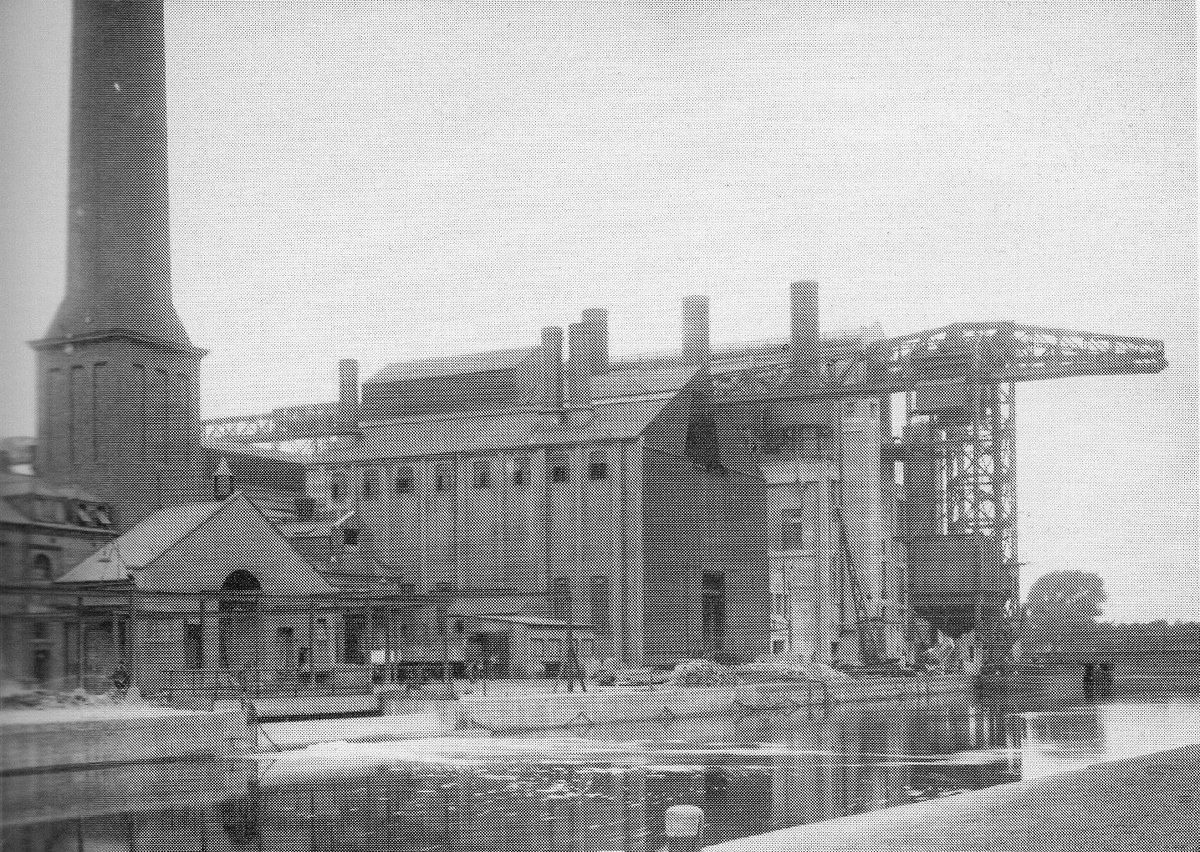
x=578, y=365
x=595, y=326
x=552, y=369
x=696, y=350
x=806, y=328
x=347, y=416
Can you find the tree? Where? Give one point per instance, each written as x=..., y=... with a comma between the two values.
x=1065, y=599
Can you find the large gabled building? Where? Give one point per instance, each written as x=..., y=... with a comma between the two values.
x=606, y=502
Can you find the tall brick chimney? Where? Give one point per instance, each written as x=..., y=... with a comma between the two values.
x=118, y=377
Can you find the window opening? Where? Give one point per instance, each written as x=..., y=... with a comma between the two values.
x=558, y=469
x=370, y=486
x=597, y=466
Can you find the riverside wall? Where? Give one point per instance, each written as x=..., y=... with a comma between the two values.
x=46, y=739
x=537, y=711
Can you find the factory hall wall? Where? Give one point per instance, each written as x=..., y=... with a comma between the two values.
x=704, y=548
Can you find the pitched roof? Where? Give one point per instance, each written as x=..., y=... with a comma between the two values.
x=622, y=420
x=18, y=484
x=9, y=515
x=197, y=546
x=142, y=544
x=453, y=365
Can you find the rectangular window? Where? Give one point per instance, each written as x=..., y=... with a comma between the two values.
x=560, y=598
x=520, y=476
x=370, y=484
x=443, y=477
x=597, y=466
x=558, y=468
x=404, y=480
x=482, y=477
x=337, y=486
x=791, y=532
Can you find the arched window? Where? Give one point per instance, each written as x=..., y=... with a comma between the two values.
x=43, y=568
x=241, y=581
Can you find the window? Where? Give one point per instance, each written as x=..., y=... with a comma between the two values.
x=350, y=537
x=597, y=466
x=337, y=487
x=780, y=604
x=558, y=469
x=791, y=531
x=404, y=480
x=883, y=579
x=43, y=568
x=482, y=476
x=560, y=598
x=443, y=477
x=777, y=646
x=520, y=476
x=370, y=485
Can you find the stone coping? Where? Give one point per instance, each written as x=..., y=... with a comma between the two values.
x=1138, y=803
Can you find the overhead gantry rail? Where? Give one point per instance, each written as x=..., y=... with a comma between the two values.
x=958, y=354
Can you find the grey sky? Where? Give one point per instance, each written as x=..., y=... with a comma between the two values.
x=385, y=180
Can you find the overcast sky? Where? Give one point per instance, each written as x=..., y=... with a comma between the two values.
x=385, y=180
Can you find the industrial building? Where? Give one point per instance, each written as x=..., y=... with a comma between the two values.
x=512, y=506
x=613, y=498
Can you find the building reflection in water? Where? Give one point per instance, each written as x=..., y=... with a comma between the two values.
x=750, y=774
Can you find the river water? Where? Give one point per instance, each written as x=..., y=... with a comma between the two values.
x=603, y=788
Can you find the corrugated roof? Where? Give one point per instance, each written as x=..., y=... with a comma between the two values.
x=454, y=365
x=622, y=420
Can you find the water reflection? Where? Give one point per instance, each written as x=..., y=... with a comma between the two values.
x=587, y=790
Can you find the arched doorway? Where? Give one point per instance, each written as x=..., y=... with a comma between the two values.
x=239, y=620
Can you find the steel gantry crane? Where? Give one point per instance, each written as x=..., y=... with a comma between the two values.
x=959, y=518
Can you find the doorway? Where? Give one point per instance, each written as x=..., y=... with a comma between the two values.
x=712, y=616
